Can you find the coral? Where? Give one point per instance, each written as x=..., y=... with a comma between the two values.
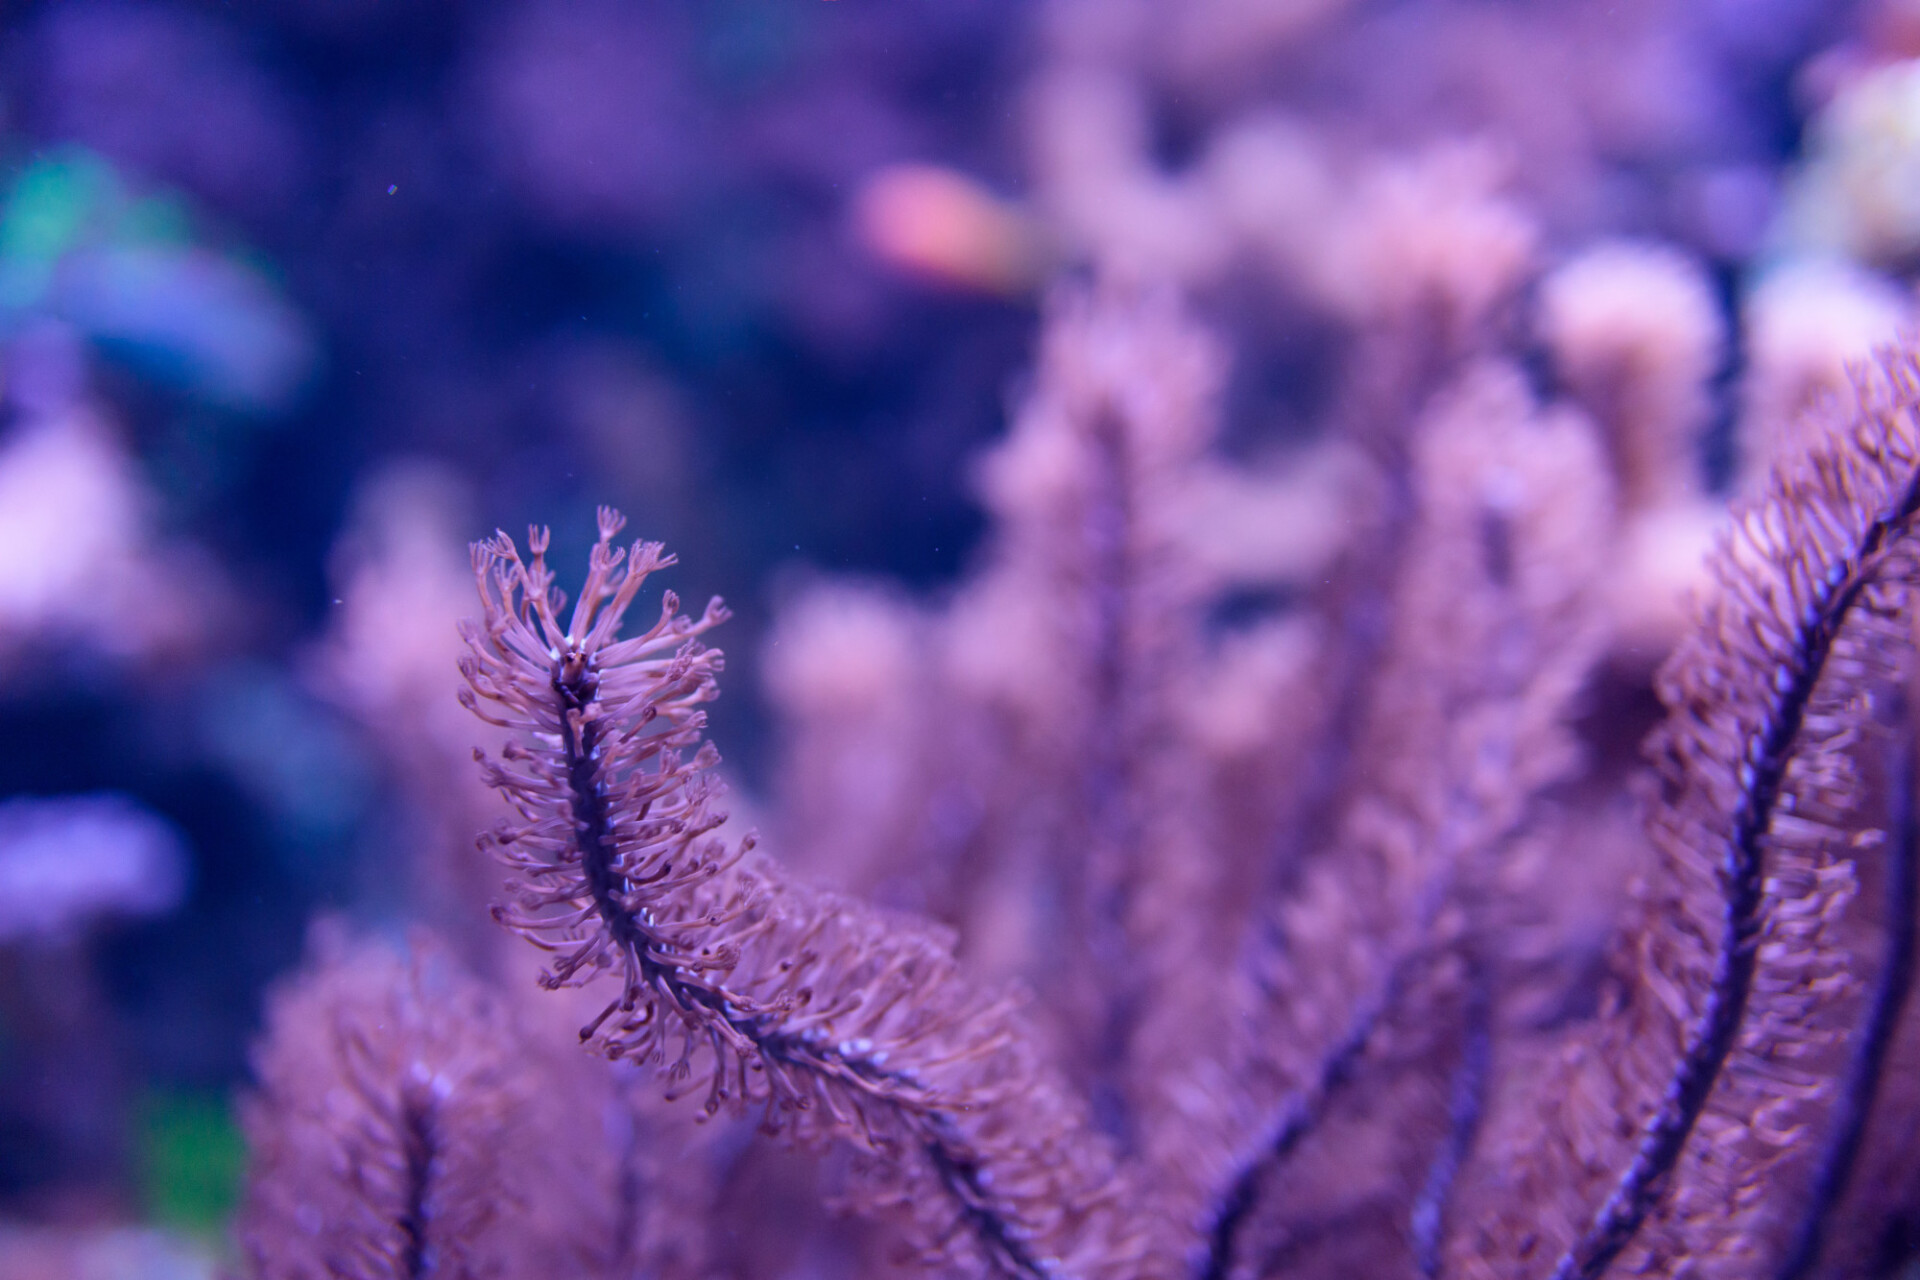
x=831, y=1021
x=407, y=1125
x=1309, y=992
x=66, y=862
x=1236, y=854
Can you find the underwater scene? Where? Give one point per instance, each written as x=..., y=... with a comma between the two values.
x=816, y=639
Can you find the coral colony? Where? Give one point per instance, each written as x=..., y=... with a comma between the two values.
x=1414, y=774
x=1345, y=941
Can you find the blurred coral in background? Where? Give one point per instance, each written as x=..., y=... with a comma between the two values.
x=1182, y=471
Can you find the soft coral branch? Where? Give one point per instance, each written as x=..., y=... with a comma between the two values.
x=838, y=1022
x=1719, y=1044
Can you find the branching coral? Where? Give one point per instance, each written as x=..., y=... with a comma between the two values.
x=1347, y=955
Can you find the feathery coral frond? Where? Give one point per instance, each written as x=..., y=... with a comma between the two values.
x=400, y=1131
x=1360, y=974
x=1677, y=1120
x=839, y=1023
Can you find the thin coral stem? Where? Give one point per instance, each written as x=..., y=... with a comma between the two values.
x=1427, y=1222
x=1861, y=1085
